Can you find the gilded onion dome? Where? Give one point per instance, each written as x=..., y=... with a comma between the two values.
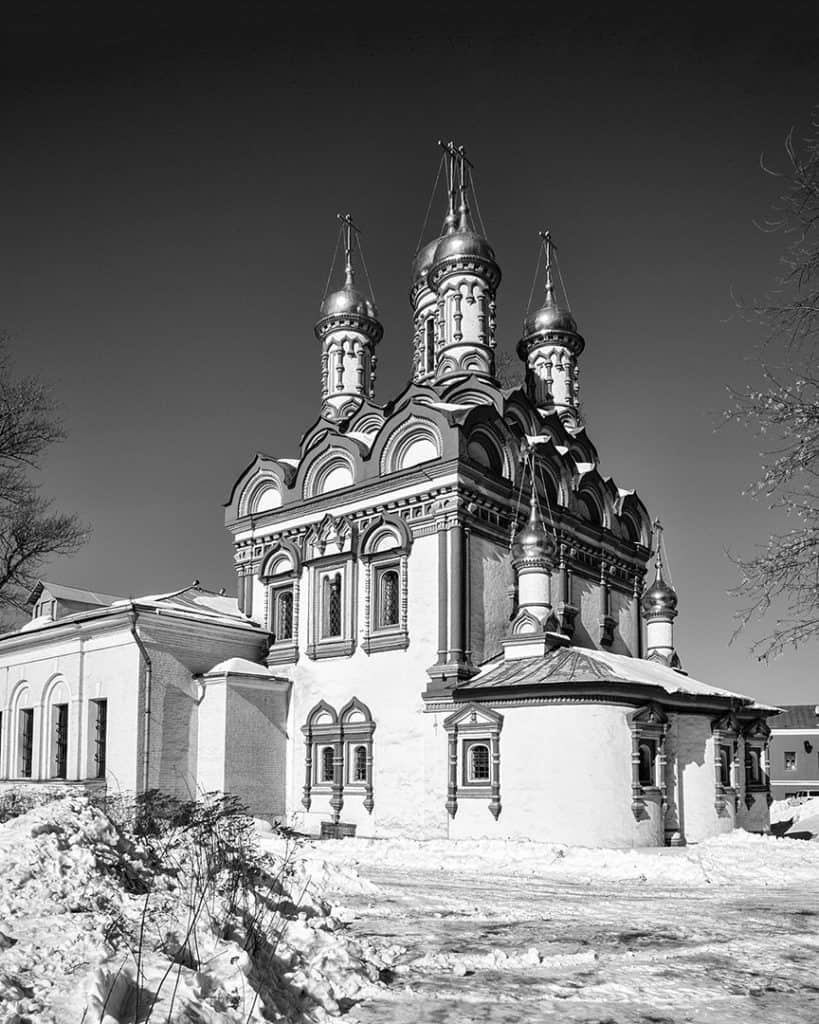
x=552, y=323
x=660, y=599
x=424, y=259
x=348, y=307
x=532, y=541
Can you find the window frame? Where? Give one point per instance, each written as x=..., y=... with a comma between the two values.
x=342, y=732
x=786, y=767
x=377, y=562
x=321, y=646
x=649, y=725
x=472, y=726
x=100, y=758
x=60, y=727
x=26, y=743
x=468, y=776
x=281, y=573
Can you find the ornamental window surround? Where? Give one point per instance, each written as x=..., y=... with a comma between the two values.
x=473, y=735
x=332, y=588
x=755, y=736
x=649, y=728
x=280, y=573
x=385, y=551
x=338, y=758
x=725, y=733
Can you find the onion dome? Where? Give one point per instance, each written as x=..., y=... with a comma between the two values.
x=532, y=541
x=348, y=300
x=348, y=307
x=660, y=599
x=463, y=242
x=552, y=323
x=424, y=259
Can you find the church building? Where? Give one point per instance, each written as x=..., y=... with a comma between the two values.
x=445, y=626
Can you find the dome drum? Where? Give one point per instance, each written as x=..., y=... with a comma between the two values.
x=559, y=334
x=361, y=323
x=475, y=265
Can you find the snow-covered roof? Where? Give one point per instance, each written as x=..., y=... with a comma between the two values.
x=194, y=599
x=58, y=591
x=579, y=665
x=796, y=716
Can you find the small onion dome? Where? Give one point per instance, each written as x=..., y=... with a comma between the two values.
x=463, y=242
x=660, y=599
x=533, y=541
x=348, y=307
x=550, y=319
x=346, y=301
x=464, y=246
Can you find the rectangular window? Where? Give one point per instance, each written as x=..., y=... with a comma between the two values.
x=647, y=749
x=725, y=758
x=26, y=741
x=753, y=766
x=331, y=606
x=475, y=763
x=100, y=737
x=283, y=616
x=60, y=741
x=388, y=598
x=790, y=760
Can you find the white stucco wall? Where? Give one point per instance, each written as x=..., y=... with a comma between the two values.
x=491, y=577
x=621, y=612
x=565, y=778
x=96, y=667
x=390, y=683
x=690, y=745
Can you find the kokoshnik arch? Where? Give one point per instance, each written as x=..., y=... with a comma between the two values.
x=443, y=626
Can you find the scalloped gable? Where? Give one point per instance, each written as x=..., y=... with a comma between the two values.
x=262, y=468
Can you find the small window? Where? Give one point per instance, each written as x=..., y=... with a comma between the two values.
x=328, y=770
x=790, y=760
x=283, y=618
x=26, y=741
x=725, y=766
x=753, y=766
x=100, y=737
x=478, y=763
x=388, y=599
x=331, y=606
x=359, y=772
x=647, y=750
x=429, y=345
x=60, y=767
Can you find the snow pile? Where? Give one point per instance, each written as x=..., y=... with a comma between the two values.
x=98, y=925
x=801, y=812
x=735, y=859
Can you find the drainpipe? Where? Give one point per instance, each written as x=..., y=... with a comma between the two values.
x=147, y=713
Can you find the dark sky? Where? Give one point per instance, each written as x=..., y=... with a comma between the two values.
x=168, y=188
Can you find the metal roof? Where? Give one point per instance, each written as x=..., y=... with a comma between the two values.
x=796, y=716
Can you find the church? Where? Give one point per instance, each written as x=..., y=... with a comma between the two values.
x=446, y=625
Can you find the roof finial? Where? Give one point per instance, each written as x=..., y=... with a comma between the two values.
x=463, y=208
x=452, y=159
x=349, y=227
x=657, y=527
x=549, y=248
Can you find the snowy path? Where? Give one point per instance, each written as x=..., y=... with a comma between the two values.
x=504, y=945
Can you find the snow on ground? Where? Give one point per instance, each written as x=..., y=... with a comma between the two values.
x=720, y=933
x=93, y=925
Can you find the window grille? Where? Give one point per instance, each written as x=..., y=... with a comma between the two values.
x=332, y=605
x=60, y=741
x=479, y=763
x=100, y=738
x=327, y=764
x=790, y=760
x=389, y=598
x=284, y=616
x=26, y=741
x=360, y=764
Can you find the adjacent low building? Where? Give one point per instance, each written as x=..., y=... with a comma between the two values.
x=794, y=751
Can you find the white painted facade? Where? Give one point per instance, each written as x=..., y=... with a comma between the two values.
x=409, y=654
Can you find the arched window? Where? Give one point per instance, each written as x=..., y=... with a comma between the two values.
x=589, y=509
x=647, y=751
x=360, y=764
x=327, y=764
x=331, y=606
x=478, y=765
x=283, y=621
x=388, y=599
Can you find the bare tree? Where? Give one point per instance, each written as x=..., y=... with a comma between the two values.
x=782, y=577
x=31, y=532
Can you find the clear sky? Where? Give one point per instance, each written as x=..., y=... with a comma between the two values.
x=168, y=188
